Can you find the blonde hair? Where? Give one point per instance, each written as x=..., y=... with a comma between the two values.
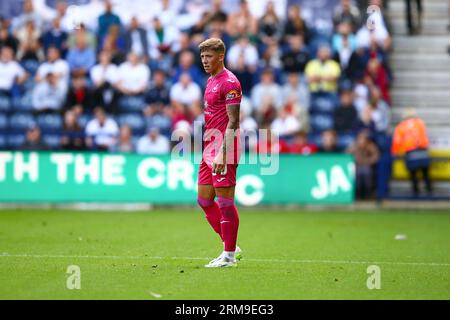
x=213, y=44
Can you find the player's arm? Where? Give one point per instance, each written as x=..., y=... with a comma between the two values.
x=228, y=140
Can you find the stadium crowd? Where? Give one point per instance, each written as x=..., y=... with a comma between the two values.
x=125, y=86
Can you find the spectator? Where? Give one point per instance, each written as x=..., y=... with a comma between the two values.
x=7, y=39
x=344, y=44
x=29, y=43
x=101, y=132
x=285, y=124
x=104, y=75
x=61, y=14
x=157, y=97
x=106, y=20
x=57, y=66
x=294, y=88
x=242, y=59
x=414, y=27
x=114, y=41
x=33, y=140
x=379, y=111
x=215, y=13
x=81, y=58
x=301, y=113
x=301, y=145
x=153, y=143
x=27, y=15
x=296, y=56
x=295, y=25
x=55, y=37
x=133, y=76
x=267, y=87
x=376, y=76
x=162, y=41
x=136, y=39
x=379, y=31
x=125, y=143
x=269, y=31
x=365, y=121
x=47, y=96
x=186, y=65
x=11, y=72
x=328, y=143
x=185, y=44
x=80, y=96
x=72, y=136
x=348, y=13
x=410, y=139
x=322, y=73
x=271, y=57
x=345, y=115
x=185, y=96
x=248, y=125
x=366, y=155
x=242, y=23
x=82, y=34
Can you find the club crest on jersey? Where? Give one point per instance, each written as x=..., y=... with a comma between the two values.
x=232, y=94
x=215, y=88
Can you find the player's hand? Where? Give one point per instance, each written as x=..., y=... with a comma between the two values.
x=219, y=164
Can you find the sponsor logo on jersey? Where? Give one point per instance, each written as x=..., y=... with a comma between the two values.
x=232, y=94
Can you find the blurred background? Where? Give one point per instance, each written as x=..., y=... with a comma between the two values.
x=330, y=79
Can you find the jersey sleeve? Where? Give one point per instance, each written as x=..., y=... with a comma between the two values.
x=232, y=91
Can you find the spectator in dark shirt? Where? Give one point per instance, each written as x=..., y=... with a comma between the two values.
x=106, y=20
x=186, y=65
x=296, y=57
x=7, y=39
x=329, y=142
x=55, y=37
x=33, y=140
x=295, y=24
x=80, y=96
x=72, y=136
x=346, y=12
x=136, y=39
x=345, y=115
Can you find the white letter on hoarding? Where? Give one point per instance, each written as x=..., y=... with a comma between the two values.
x=180, y=171
x=21, y=167
x=112, y=170
x=62, y=160
x=143, y=176
x=249, y=199
x=82, y=169
x=4, y=158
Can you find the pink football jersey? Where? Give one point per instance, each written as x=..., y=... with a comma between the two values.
x=221, y=90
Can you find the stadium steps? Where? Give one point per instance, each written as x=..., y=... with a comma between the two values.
x=422, y=79
x=402, y=188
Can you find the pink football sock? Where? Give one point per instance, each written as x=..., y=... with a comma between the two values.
x=212, y=212
x=229, y=222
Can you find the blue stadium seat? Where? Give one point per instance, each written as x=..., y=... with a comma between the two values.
x=134, y=121
x=3, y=122
x=52, y=140
x=14, y=141
x=345, y=140
x=323, y=103
x=50, y=123
x=83, y=120
x=132, y=104
x=5, y=103
x=23, y=103
x=3, y=142
x=321, y=122
x=19, y=122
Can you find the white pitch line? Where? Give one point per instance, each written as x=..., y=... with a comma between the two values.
x=6, y=255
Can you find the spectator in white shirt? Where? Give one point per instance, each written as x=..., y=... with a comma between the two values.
x=285, y=124
x=186, y=94
x=162, y=42
x=10, y=71
x=133, y=76
x=242, y=59
x=47, y=96
x=101, y=132
x=104, y=75
x=57, y=66
x=153, y=143
x=294, y=87
x=267, y=87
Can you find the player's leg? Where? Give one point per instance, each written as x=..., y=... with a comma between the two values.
x=205, y=199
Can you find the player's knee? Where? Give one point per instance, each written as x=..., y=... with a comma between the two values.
x=225, y=202
x=202, y=202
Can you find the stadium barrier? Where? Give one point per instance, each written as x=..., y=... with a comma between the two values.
x=59, y=177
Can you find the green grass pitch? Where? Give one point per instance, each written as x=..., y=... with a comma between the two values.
x=160, y=254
